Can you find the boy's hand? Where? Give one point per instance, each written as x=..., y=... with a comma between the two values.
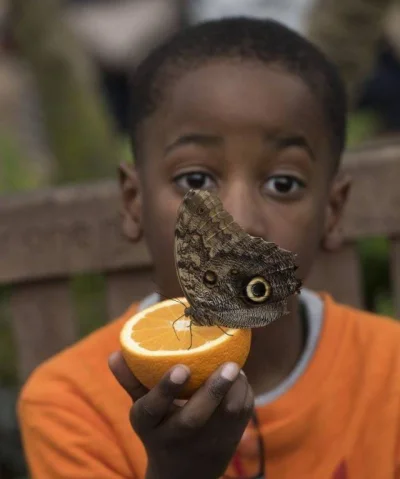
x=198, y=439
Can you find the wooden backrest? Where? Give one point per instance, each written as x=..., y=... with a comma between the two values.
x=49, y=237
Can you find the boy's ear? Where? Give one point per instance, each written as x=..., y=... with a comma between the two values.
x=333, y=234
x=131, y=210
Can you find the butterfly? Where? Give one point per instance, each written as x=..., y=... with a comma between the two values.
x=229, y=278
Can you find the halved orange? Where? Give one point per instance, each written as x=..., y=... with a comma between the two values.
x=159, y=337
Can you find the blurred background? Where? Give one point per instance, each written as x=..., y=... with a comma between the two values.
x=64, y=98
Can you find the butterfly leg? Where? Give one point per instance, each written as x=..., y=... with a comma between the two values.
x=219, y=327
x=191, y=334
x=173, y=326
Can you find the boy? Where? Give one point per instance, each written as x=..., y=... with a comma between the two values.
x=253, y=111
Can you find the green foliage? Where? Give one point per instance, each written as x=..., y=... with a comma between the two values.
x=89, y=296
x=361, y=126
x=374, y=252
x=126, y=151
x=17, y=173
x=375, y=267
x=78, y=125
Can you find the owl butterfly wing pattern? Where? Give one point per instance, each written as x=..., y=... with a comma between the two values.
x=200, y=231
x=259, y=263
x=219, y=265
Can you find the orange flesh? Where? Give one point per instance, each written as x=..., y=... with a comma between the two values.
x=159, y=332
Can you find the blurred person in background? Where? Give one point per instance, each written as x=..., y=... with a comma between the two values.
x=292, y=13
x=115, y=31
x=381, y=90
x=370, y=29
x=362, y=38
x=118, y=33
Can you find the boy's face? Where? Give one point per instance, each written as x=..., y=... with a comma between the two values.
x=258, y=137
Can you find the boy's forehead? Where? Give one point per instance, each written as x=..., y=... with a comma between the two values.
x=225, y=85
x=238, y=96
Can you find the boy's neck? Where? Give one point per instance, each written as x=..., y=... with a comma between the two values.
x=275, y=350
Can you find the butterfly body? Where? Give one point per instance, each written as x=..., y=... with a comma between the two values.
x=230, y=278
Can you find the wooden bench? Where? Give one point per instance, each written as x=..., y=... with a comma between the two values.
x=49, y=237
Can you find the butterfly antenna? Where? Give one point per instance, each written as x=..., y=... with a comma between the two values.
x=179, y=301
x=167, y=297
x=171, y=299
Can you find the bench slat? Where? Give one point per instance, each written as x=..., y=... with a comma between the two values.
x=43, y=322
x=71, y=230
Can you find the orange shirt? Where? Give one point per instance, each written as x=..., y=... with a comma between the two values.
x=340, y=420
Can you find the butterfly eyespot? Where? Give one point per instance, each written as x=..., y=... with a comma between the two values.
x=258, y=290
x=234, y=272
x=210, y=278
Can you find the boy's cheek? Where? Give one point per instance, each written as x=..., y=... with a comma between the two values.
x=160, y=212
x=159, y=219
x=303, y=238
x=307, y=248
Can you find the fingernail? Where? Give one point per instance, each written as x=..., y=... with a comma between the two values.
x=113, y=356
x=243, y=373
x=230, y=371
x=179, y=375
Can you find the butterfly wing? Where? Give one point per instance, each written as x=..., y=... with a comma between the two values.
x=252, y=260
x=201, y=230
x=216, y=259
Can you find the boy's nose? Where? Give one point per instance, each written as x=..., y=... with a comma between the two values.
x=246, y=211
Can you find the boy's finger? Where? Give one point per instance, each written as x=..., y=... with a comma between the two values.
x=234, y=403
x=124, y=376
x=151, y=409
x=249, y=401
x=237, y=407
x=206, y=400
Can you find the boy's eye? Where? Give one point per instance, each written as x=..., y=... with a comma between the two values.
x=284, y=185
x=195, y=180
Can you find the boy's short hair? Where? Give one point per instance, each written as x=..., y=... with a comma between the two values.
x=265, y=41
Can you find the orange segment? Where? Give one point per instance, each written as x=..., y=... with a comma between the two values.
x=156, y=339
x=170, y=330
